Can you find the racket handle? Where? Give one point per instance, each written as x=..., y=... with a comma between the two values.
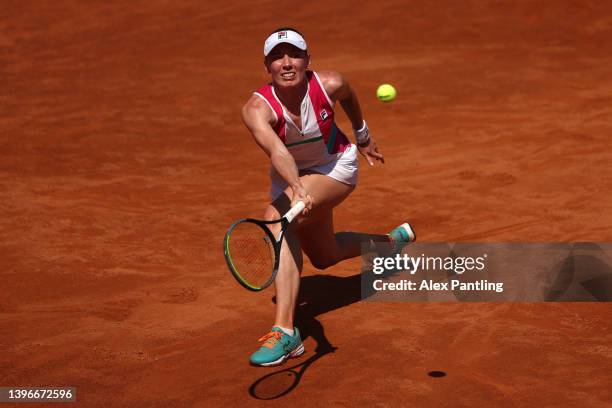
x=295, y=211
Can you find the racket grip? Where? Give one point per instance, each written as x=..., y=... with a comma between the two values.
x=294, y=211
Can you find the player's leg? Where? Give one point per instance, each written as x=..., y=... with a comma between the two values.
x=314, y=233
x=323, y=246
x=287, y=281
x=284, y=340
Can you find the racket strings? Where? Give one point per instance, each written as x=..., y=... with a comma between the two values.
x=252, y=253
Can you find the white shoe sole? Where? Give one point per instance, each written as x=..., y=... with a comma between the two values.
x=411, y=233
x=297, y=352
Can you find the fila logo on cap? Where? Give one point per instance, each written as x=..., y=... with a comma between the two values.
x=284, y=36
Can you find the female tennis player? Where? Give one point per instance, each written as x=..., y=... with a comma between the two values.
x=292, y=120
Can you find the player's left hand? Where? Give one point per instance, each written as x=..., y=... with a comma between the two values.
x=370, y=152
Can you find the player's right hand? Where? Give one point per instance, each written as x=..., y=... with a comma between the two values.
x=300, y=194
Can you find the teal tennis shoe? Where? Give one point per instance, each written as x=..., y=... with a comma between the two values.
x=403, y=233
x=277, y=347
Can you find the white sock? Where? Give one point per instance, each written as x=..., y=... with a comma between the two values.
x=287, y=331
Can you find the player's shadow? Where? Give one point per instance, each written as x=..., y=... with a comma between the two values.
x=319, y=294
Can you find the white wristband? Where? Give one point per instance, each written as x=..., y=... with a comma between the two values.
x=362, y=135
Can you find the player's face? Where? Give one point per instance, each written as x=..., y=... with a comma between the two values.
x=287, y=65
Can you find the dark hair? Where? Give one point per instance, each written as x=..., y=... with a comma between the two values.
x=286, y=29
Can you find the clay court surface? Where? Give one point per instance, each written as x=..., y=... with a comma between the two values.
x=123, y=160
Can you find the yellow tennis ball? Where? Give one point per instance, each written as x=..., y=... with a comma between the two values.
x=386, y=93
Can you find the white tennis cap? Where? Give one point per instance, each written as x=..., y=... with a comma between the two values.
x=284, y=36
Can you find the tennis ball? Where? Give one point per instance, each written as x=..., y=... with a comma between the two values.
x=386, y=93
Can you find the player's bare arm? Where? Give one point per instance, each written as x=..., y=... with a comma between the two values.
x=258, y=118
x=339, y=89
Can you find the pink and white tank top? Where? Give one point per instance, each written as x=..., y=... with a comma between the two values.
x=319, y=141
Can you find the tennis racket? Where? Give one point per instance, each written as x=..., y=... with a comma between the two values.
x=252, y=252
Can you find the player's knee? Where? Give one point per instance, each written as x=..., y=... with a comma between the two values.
x=323, y=262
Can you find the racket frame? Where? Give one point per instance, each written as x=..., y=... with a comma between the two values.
x=276, y=244
x=285, y=220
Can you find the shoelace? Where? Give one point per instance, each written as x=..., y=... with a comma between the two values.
x=271, y=339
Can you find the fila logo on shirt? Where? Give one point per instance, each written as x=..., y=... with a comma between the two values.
x=282, y=34
x=323, y=114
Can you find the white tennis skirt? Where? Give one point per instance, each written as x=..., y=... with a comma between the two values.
x=345, y=169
